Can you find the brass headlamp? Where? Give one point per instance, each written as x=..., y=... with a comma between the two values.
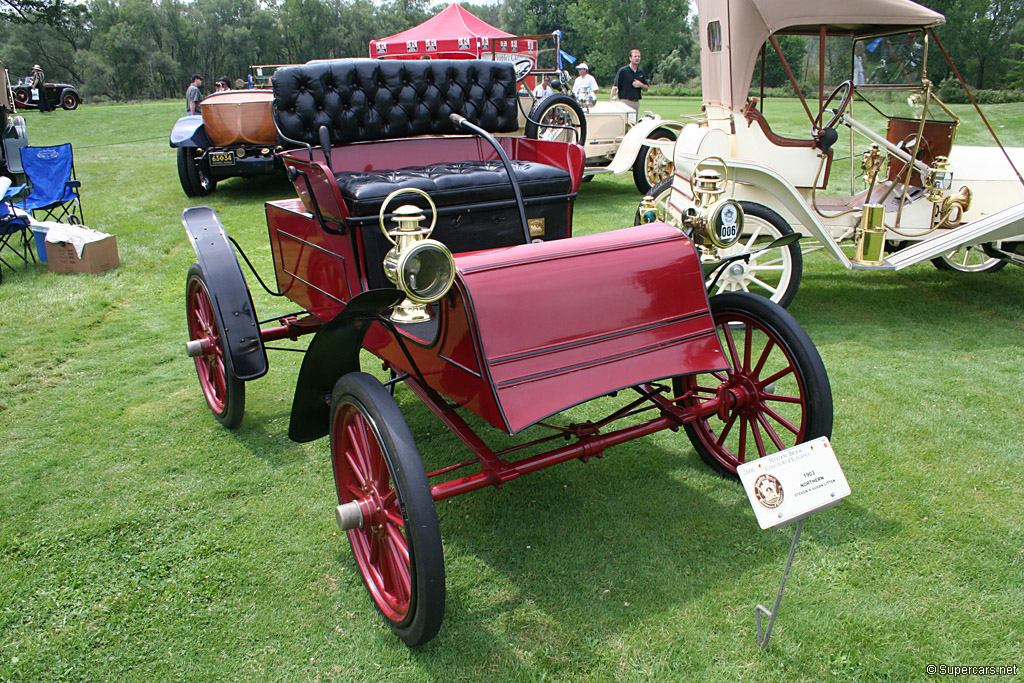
x=714, y=221
x=421, y=267
x=938, y=179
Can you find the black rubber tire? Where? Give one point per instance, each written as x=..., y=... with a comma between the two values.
x=362, y=393
x=790, y=360
x=69, y=101
x=224, y=393
x=184, y=175
x=563, y=103
x=990, y=265
x=198, y=173
x=640, y=176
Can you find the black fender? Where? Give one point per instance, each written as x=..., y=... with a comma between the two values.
x=189, y=131
x=333, y=352
x=232, y=302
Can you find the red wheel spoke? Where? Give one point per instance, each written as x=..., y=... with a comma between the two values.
x=394, y=516
x=764, y=357
x=758, y=439
x=374, y=549
x=731, y=345
x=781, y=420
x=777, y=376
x=726, y=428
x=771, y=432
x=399, y=544
x=741, y=449
x=748, y=342
x=356, y=468
x=782, y=399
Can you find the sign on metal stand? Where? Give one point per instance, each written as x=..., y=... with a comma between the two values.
x=788, y=487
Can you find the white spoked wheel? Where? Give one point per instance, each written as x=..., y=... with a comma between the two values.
x=969, y=259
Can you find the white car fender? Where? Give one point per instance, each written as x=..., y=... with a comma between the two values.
x=746, y=172
x=636, y=138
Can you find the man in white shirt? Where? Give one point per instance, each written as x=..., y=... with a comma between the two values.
x=585, y=87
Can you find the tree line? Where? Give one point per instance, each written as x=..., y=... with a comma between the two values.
x=144, y=49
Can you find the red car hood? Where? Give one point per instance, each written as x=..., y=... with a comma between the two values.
x=562, y=322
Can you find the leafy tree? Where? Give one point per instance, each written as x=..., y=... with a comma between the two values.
x=608, y=29
x=976, y=35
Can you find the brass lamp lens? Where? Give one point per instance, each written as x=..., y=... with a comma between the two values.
x=426, y=271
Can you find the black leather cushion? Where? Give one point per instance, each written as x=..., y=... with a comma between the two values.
x=371, y=99
x=451, y=183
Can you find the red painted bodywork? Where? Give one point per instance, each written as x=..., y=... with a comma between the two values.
x=527, y=331
x=534, y=329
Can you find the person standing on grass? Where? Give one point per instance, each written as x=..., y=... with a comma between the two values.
x=194, y=94
x=585, y=86
x=39, y=85
x=630, y=82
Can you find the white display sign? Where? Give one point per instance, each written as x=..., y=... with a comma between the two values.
x=793, y=483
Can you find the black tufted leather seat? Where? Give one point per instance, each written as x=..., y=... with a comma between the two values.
x=371, y=99
x=451, y=183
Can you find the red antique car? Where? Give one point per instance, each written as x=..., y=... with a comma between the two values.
x=450, y=258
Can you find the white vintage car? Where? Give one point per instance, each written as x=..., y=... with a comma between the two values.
x=615, y=138
x=876, y=180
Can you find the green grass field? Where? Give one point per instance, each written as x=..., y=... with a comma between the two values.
x=140, y=541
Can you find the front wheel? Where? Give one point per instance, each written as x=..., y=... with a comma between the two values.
x=557, y=110
x=651, y=165
x=774, y=273
x=398, y=547
x=225, y=393
x=968, y=259
x=774, y=395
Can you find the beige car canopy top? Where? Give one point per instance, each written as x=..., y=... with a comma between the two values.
x=729, y=49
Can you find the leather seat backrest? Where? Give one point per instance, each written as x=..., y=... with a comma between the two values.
x=371, y=99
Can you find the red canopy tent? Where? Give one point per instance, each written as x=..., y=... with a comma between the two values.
x=453, y=33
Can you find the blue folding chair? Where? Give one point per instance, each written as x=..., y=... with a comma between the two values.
x=51, y=173
x=15, y=233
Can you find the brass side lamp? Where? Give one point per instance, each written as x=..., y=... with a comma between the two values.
x=421, y=267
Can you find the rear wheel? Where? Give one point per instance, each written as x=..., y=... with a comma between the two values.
x=398, y=548
x=557, y=110
x=69, y=101
x=21, y=96
x=184, y=175
x=969, y=259
x=194, y=172
x=774, y=395
x=225, y=393
x=651, y=166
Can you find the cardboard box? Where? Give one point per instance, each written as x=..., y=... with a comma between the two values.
x=78, y=249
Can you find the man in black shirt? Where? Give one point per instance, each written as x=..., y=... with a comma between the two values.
x=631, y=81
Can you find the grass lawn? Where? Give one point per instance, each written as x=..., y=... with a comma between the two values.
x=140, y=541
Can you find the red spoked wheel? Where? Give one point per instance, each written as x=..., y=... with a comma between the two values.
x=21, y=96
x=398, y=547
x=774, y=395
x=224, y=392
